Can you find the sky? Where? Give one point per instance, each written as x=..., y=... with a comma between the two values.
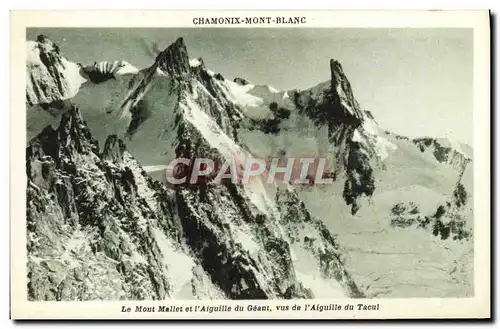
x=415, y=81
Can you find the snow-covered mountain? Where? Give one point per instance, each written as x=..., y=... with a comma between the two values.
x=104, y=224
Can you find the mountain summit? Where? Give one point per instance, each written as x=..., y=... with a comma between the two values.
x=50, y=77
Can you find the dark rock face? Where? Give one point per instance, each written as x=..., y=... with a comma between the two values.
x=99, y=226
x=86, y=240
x=140, y=113
x=447, y=223
x=345, y=106
x=217, y=212
x=407, y=215
x=113, y=149
x=271, y=125
x=337, y=108
x=360, y=179
x=202, y=62
x=449, y=219
x=311, y=234
x=50, y=57
x=225, y=113
x=96, y=75
x=241, y=81
x=443, y=154
x=47, y=79
x=101, y=72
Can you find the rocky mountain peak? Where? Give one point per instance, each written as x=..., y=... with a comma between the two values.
x=342, y=95
x=50, y=77
x=174, y=60
x=443, y=151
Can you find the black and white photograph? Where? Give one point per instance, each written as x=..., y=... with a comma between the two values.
x=214, y=163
